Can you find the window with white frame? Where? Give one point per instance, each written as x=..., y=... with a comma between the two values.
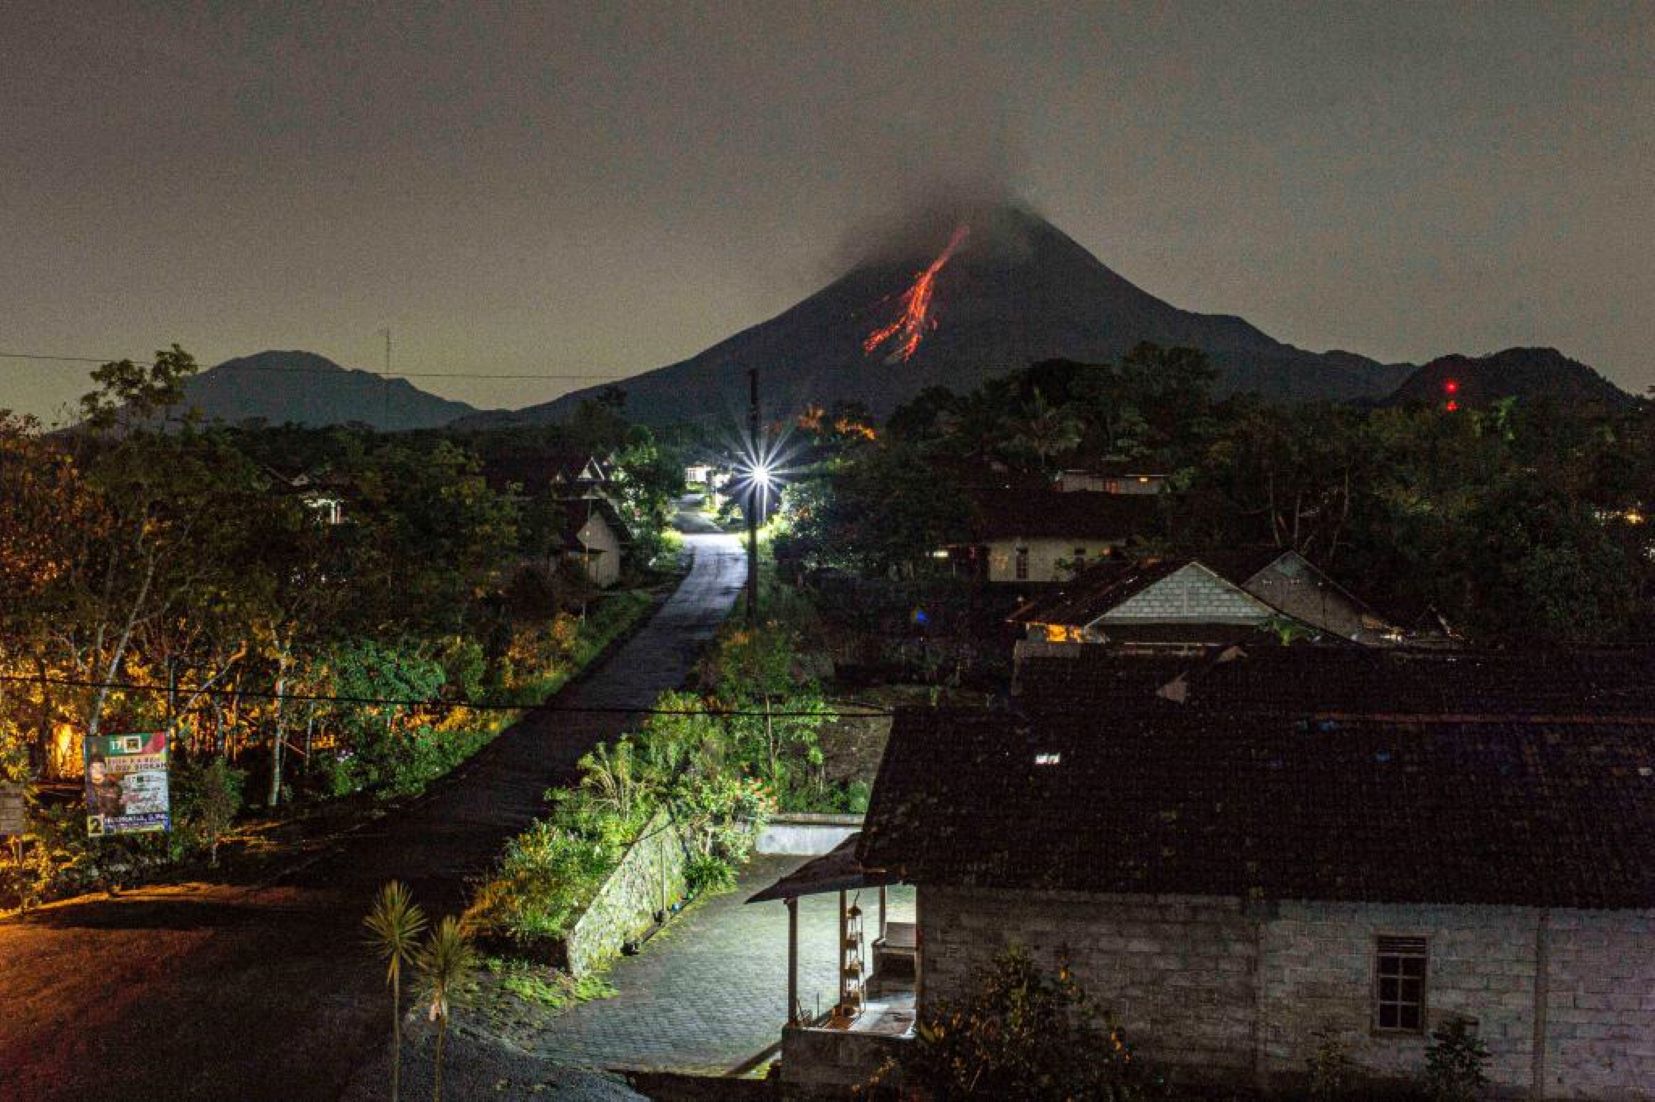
x=1022, y=564
x=1399, y=975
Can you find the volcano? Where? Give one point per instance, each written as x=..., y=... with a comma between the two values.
x=986, y=294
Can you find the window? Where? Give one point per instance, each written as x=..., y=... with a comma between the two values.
x=1080, y=559
x=1022, y=564
x=1399, y=984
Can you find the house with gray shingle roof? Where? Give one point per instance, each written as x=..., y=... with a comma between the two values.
x=1218, y=597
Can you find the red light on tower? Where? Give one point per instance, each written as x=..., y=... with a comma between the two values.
x=1452, y=386
x=1451, y=406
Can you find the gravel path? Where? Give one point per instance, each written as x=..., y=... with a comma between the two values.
x=218, y=992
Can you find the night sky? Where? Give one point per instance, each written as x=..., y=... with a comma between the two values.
x=603, y=189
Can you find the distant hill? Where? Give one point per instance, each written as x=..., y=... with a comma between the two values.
x=1016, y=291
x=1525, y=373
x=306, y=389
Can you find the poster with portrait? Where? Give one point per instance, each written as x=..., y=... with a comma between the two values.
x=126, y=784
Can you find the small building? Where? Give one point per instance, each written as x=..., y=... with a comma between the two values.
x=322, y=492
x=594, y=538
x=560, y=474
x=1112, y=477
x=1194, y=600
x=1042, y=536
x=1232, y=887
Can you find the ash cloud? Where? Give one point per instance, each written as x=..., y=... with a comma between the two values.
x=919, y=175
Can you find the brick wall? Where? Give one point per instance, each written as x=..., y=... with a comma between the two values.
x=1175, y=972
x=1222, y=989
x=1600, y=1006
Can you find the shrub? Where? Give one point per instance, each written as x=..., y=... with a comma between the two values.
x=206, y=796
x=1455, y=1062
x=1023, y=1034
x=709, y=875
x=1330, y=1067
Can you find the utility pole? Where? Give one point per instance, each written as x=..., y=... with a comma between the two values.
x=385, y=390
x=753, y=498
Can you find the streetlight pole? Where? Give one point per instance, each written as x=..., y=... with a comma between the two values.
x=753, y=499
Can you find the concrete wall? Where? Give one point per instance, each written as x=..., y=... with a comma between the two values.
x=827, y=1063
x=1221, y=989
x=806, y=834
x=603, y=565
x=649, y=876
x=1044, y=556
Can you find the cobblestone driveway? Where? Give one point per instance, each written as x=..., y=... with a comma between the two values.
x=709, y=994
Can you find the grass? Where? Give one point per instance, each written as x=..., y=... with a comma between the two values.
x=545, y=987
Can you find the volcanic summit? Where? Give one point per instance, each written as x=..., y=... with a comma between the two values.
x=998, y=290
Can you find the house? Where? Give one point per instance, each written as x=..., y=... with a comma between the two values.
x=322, y=492
x=1021, y=536
x=1228, y=882
x=563, y=475
x=1191, y=600
x=594, y=539
x=1112, y=477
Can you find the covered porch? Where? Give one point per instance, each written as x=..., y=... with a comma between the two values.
x=843, y=1039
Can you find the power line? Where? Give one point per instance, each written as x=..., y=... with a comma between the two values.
x=477, y=706
x=281, y=369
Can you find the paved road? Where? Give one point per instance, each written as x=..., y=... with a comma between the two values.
x=709, y=994
x=218, y=992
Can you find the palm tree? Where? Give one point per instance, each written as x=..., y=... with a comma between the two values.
x=1046, y=430
x=445, y=964
x=394, y=926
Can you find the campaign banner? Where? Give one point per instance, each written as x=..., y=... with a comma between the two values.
x=126, y=784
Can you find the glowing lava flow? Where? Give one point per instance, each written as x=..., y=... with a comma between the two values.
x=910, y=326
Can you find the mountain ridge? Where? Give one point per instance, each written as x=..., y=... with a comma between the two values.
x=304, y=388
x=1019, y=291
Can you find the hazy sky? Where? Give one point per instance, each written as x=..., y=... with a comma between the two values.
x=603, y=189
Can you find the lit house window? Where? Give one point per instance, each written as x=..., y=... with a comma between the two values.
x=1399, y=984
x=1022, y=564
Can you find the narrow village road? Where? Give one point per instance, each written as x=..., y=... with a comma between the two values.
x=217, y=992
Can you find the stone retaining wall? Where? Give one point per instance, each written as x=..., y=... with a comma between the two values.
x=649, y=880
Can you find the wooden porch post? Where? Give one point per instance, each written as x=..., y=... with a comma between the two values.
x=839, y=956
x=881, y=910
x=792, y=960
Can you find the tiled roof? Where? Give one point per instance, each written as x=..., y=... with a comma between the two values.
x=1300, y=679
x=1047, y=514
x=1265, y=806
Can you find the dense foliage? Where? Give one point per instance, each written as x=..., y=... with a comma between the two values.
x=304, y=611
x=1516, y=521
x=711, y=765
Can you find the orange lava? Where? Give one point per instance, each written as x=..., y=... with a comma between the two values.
x=904, y=334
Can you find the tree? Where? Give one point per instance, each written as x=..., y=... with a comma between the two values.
x=129, y=394
x=394, y=926
x=446, y=963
